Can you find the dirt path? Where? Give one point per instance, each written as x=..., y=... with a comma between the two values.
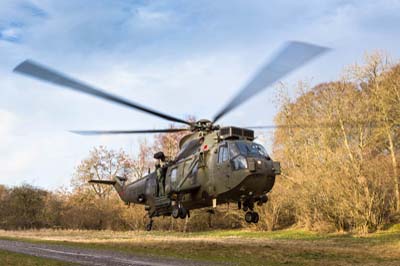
x=88, y=256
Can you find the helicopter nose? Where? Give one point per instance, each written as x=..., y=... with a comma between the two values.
x=264, y=166
x=255, y=164
x=259, y=178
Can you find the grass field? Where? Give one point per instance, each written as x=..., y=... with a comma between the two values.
x=287, y=247
x=15, y=259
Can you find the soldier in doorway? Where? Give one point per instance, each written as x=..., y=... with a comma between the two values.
x=160, y=171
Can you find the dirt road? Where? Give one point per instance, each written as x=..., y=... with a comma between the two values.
x=88, y=256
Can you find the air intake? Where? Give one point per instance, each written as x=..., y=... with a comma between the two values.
x=236, y=132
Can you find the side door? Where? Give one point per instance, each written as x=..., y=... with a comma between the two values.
x=151, y=189
x=171, y=180
x=223, y=166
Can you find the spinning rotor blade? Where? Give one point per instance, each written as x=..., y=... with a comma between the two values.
x=38, y=71
x=116, y=132
x=370, y=124
x=291, y=126
x=291, y=57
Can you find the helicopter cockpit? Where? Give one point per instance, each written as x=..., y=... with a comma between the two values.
x=247, y=148
x=238, y=150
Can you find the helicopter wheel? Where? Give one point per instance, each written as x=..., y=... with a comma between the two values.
x=255, y=217
x=248, y=217
x=176, y=211
x=183, y=213
x=149, y=225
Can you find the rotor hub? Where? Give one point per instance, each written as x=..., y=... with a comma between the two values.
x=204, y=125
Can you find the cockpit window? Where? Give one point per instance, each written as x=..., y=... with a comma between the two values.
x=189, y=148
x=233, y=150
x=223, y=154
x=250, y=148
x=261, y=149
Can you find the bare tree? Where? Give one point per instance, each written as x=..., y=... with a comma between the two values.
x=101, y=164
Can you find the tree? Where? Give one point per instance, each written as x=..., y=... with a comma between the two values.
x=382, y=81
x=25, y=205
x=143, y=161
x=336, y=146
x=169, y=143
x=101, y=164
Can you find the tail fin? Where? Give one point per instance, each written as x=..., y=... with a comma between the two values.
x=118, y=183
x=105, y=182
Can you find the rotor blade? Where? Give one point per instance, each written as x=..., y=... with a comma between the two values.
x=290, y=126
x=261, y=127
x=35, y=70
x=292, y=56
x=370, y=124
x=116, y=132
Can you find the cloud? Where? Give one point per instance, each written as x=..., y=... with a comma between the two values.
x=11, y=34
x=152, y=17
x=181, y=57
x=8, y=121
x=16, y=17
x=13, y=160
x=32, y=9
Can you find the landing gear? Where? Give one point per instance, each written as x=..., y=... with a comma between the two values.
x=149, y=225
x=183, y=213
x=180, y=212
x=175, y=212
x=248, y=217
x=251, y=217
x=262, y=199
x=255, y=217
x=248, y=206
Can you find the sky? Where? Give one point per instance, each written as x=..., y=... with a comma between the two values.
x=181, y=57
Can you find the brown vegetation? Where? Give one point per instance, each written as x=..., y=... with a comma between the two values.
x=339, y=151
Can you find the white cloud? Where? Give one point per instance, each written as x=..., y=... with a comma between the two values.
x=12, y=160
x=179, y=57
x=7, y=121
x=10, y=34
x=152, y=16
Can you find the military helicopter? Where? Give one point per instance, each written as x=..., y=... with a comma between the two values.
x=215, y=164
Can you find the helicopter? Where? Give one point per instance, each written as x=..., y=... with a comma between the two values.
x=215, y=164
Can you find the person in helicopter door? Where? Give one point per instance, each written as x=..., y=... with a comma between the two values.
x=160, y=172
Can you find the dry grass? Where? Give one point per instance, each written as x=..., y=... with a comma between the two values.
x=290, y=247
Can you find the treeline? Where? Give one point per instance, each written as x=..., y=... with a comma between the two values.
x=338, y=144
x=98, y=207
x=340, y=151
x=27, y=207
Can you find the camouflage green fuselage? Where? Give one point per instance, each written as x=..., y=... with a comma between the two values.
x=200, y=173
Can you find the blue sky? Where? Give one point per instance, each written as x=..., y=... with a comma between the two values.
x=181, y=57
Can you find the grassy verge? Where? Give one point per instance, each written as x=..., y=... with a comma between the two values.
x=16, y=259
x=290, y=247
